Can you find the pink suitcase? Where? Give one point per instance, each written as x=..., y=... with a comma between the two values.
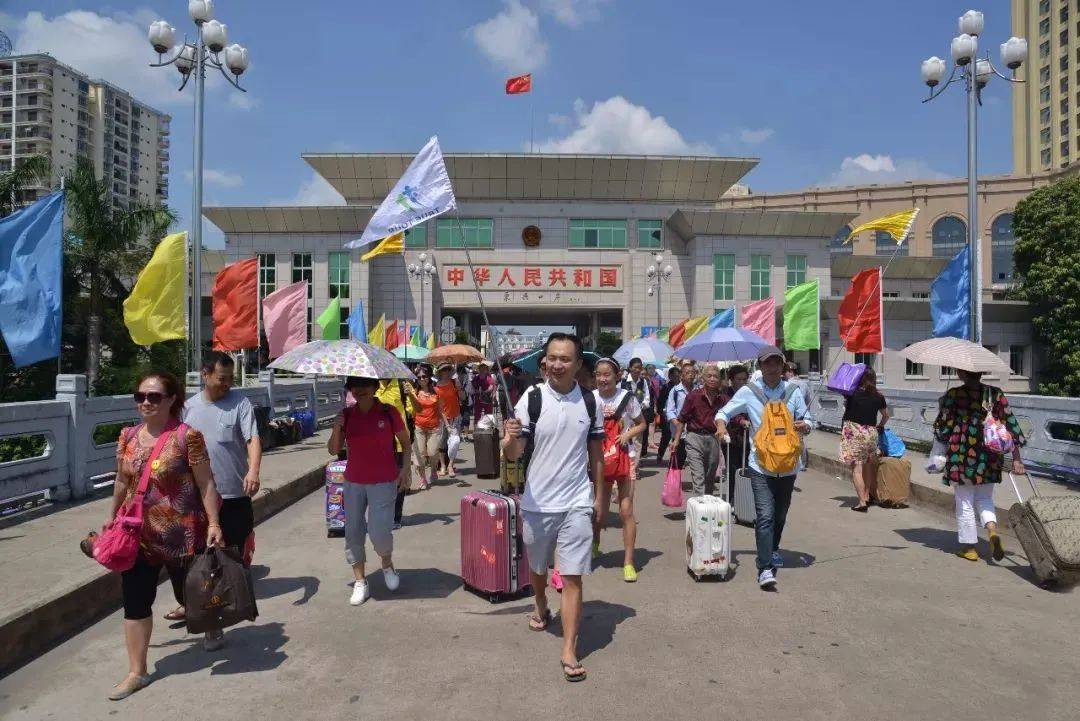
x=493, y=560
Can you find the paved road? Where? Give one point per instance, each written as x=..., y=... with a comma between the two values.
x=874, y=619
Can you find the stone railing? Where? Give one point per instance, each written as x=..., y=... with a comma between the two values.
x=72, y=463
x=1051, y=424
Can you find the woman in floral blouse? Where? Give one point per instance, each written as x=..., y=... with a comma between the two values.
x=971, y=468
x=180, y=511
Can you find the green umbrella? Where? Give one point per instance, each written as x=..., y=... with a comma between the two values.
x=531, y=363
x=411, y=352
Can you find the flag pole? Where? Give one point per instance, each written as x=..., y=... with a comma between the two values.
x=532, y=120
x=483, y=310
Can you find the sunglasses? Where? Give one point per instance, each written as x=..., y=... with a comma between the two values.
x=153, y=397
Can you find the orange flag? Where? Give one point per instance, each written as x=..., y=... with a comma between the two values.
x=236, y=324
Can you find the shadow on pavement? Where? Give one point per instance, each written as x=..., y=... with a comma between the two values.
x=598, y=623
x=248, y=649
x=614, y=559
x=420, y=519
x=675, y=516
x=279, y=586
x=416, y=583
x=938, y=539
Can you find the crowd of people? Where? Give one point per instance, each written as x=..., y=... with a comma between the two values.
x=195, y=465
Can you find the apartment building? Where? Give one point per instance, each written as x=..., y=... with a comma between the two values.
x=48, y=108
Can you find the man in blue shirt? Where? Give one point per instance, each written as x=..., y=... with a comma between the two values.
x=772, y=492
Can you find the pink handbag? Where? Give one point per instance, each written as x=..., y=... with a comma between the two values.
x=118, y=544
x=672, y=495
x=996, y=436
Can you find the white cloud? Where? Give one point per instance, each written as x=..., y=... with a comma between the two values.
x=243, y=101
x=865, y=168
x=573, y=13
x=511, y=39
x=220, y=178
x=313, y=191
x=616, y=125
x=755, y=137
x=111, y=48
x=559, y=120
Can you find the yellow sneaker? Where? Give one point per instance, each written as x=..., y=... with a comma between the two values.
x=628, y=573
x=997, y=547
x=969, y=553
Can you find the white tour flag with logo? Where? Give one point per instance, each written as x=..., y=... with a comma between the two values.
x=423, y=192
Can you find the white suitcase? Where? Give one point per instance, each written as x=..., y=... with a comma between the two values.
x=745, y=510
x=708, y=535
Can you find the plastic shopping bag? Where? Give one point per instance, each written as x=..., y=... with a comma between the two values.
x=672, y=495
x=453, y=444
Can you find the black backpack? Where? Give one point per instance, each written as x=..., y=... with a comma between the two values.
x=535, y=405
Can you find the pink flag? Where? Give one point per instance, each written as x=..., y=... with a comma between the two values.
x=760, y=317
x=285, y=318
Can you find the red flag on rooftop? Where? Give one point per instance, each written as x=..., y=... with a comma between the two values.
x=236, y=302
x=520, y=84
x=860, y=313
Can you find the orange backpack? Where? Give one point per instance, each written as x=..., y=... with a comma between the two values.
x=778, y=444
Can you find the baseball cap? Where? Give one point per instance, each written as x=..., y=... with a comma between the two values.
x=769, y=351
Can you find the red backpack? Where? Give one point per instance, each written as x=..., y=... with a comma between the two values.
x=616, y=455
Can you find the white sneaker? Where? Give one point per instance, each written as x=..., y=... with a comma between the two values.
x=214, y=640
x=766, y=580
x=391, y=578
x=359, y=593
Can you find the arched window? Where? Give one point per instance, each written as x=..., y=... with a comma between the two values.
x=949, y=236
x=837, y=246
x=887, y=246
x=1002, y=243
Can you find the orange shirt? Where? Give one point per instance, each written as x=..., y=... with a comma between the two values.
x=451, y=404
x=427, y=411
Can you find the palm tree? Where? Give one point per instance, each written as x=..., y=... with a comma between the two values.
x=32, y=171
x=105, y=247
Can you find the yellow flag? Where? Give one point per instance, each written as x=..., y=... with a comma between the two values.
x=898, y=225
x=387, y=246
x=694, y=326
x=377, y=335
x=155, y=309
x=431, y=341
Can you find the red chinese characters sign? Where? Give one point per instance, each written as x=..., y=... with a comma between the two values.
x=544, y=277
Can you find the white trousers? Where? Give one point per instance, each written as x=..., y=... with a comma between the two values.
x=969, y=501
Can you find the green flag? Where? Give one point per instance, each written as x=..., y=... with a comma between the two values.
x=417, y=338
x=802, y=317
x=330, y=320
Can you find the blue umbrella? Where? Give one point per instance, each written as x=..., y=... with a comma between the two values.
x=722, y=344
x=649, y=350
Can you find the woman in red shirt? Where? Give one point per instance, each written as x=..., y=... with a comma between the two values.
x=372, y=479
x=430, y=421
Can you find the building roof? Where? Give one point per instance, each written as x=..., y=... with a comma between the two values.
x=302, y=219
x=900, y=268
x=367, y=178
x=691, y=222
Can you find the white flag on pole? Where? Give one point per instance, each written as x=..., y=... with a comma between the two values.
x=423, y=192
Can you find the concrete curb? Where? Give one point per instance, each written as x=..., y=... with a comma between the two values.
x=939, y=500
x=30, y=631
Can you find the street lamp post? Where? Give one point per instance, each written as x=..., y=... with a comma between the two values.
x=656, y=275
x=424, y=271
x=976, y=73
x=191, y=59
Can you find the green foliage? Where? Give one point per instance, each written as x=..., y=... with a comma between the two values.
x=461, y=337
x=607, y=343
x=16, y=448
x=14, y=184
x=1047, y=255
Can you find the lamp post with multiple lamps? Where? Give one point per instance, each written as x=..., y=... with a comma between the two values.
x=976, y=73
x=424, y=271
x=191, y=60
x=656, y=275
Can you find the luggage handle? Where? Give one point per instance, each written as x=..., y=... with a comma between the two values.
x=1016, y=488
x=726, y=444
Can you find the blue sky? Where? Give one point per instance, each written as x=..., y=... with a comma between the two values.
x=824, y=92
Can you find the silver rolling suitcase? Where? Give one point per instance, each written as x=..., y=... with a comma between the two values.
x=745, y=510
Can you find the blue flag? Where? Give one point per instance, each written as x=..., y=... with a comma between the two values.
x=950, y=298
x=723, y=319
x=31, y=278
x=357, y=324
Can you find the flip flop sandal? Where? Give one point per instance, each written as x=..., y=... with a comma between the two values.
x=540, y=623
x=174, y=616
x=573, y=677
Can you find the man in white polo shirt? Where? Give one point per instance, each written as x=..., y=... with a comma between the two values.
x=564, y=474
